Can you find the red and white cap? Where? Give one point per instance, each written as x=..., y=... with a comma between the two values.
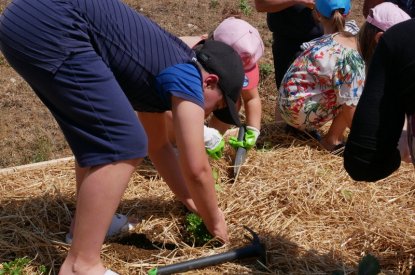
x=243, y=38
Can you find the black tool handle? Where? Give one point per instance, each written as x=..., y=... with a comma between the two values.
x=240, y=253
x=241, y=133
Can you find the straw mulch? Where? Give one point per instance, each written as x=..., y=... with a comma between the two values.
x=312, y=218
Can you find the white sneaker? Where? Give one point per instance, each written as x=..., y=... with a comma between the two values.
x=119, y=224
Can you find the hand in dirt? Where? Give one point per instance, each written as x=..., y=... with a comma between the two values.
x=220, y=230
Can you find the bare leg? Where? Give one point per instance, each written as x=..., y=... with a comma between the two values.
x=99, y=194
x=335, y=135
x=79, y=176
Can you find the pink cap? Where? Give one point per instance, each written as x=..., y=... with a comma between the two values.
x=385, y=15
x=243, y=38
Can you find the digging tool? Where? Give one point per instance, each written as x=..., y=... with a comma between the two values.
x=240, y=153
x=255, y=249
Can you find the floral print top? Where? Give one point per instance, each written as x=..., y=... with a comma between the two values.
x=323, y=78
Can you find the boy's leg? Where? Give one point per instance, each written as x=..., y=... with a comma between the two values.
x=99, y=195
x=106, y=137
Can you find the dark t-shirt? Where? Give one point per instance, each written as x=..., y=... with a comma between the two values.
x=371, y=151
x=407, y=5
x=294, y=22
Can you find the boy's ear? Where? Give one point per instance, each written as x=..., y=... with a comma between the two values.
x=211, y=81
x=378, y=35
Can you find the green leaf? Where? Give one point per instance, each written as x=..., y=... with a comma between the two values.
x=218, y=188
x=197, y=229
x=215, y=174
x=347, y=194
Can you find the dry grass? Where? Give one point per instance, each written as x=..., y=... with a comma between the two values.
x=312, y=218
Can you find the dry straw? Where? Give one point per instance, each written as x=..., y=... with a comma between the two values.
x=311, y=216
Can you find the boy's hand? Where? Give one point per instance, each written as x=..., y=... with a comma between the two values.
x=214, y=142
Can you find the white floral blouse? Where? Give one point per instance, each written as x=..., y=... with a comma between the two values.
x=323, y=78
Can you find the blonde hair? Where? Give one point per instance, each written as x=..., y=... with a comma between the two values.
x=366, y=42
x=336, y=22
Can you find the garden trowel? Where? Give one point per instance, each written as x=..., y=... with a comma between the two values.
x=240, y=153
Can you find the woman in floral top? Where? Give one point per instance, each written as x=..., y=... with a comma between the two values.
x=325, y=82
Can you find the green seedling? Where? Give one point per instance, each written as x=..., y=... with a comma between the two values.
x=14, y=267
x=245, y=7
x=213, y=4
x=17, y=267
x=265, y=70
x=197, y=229
x=347, y=194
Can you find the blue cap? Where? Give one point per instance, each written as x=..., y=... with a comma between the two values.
x=327, y=7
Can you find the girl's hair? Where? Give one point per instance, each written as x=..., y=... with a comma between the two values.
x=366, y=42
x=337, y=22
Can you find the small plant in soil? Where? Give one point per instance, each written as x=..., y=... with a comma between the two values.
x=198, y=233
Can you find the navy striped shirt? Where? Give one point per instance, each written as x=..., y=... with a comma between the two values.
x=45, y=32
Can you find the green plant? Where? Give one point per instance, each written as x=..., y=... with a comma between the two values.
x=213, y=4
x=43, y=269
x=42, y=149
x=265, y=69
x=14, y=267
x=245, y=7
x=197, y=229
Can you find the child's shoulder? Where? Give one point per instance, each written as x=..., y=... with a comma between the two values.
x=346, y=41
x=316, y=42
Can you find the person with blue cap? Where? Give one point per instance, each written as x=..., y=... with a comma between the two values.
x=324, y=83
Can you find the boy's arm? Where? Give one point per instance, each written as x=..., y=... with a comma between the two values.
x=253, y=107
x=188, y=121
x=163, y=156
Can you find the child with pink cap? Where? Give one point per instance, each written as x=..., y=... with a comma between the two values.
x=246, y=41
x=379, y=19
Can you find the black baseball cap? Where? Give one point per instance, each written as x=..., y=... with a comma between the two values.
x=222, y=60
